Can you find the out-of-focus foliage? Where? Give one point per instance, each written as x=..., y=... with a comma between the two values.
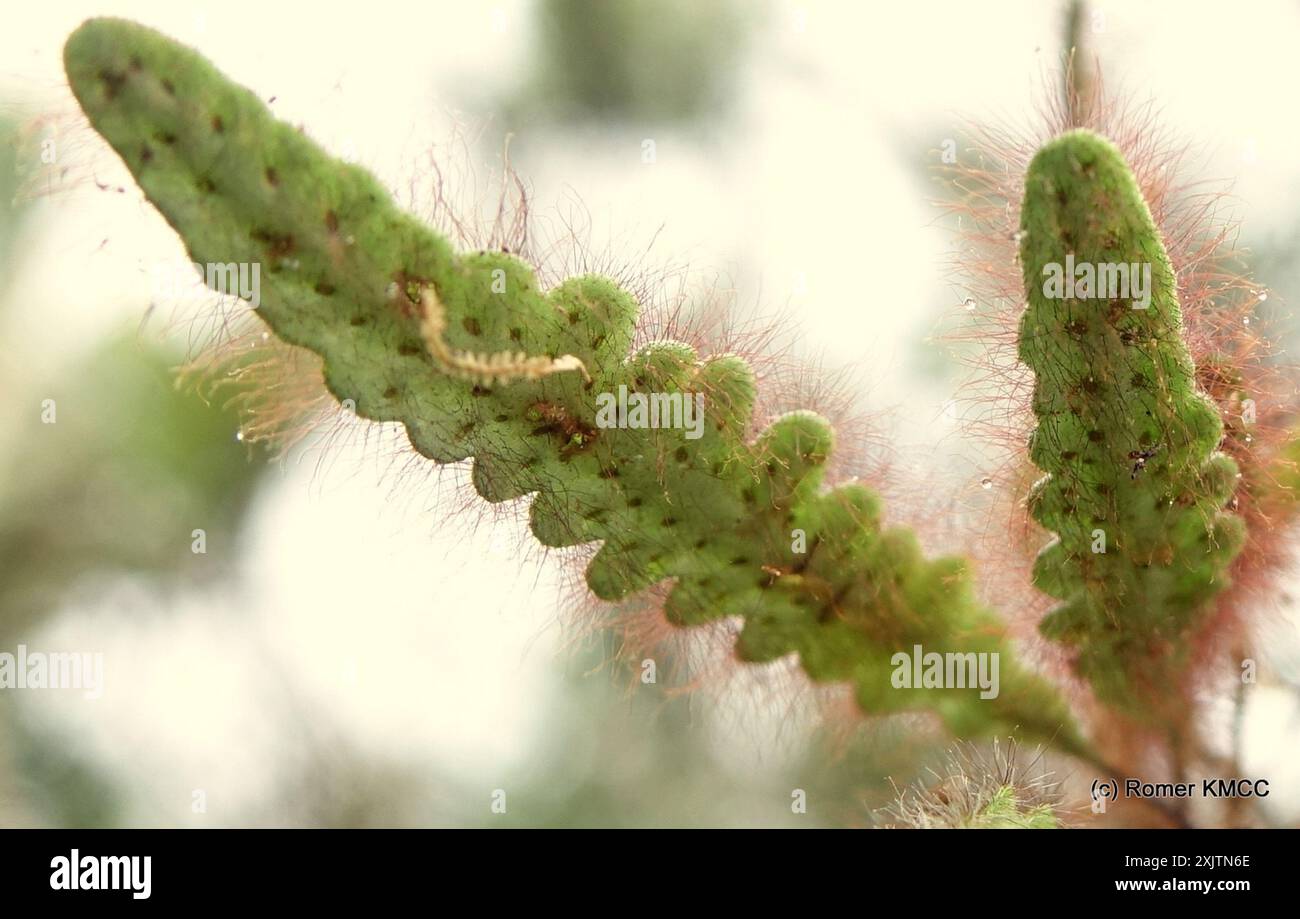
x=129, y=469
x=12, y=154
x=111, y=467
x=619, y=753
x=117, y=484
x=633, y=60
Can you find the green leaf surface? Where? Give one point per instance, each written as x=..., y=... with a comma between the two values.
x=1136, y=489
